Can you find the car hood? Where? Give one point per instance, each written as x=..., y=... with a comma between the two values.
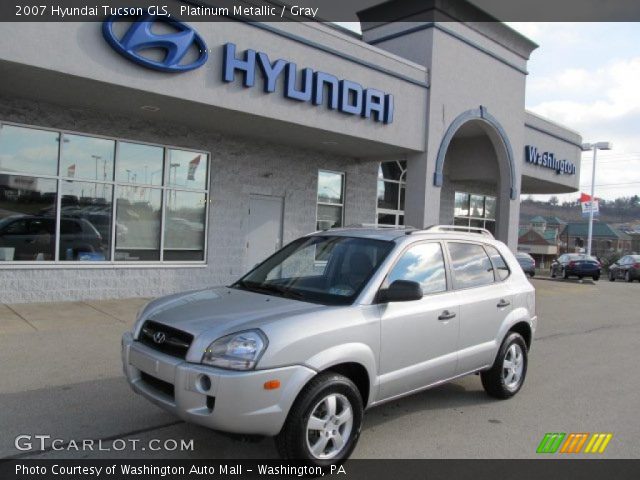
x=221, y=310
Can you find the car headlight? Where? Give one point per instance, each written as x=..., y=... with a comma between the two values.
x=238, y=351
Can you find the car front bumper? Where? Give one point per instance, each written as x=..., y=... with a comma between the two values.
x=235, y=402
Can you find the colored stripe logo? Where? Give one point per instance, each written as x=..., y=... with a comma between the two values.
x=574, y=443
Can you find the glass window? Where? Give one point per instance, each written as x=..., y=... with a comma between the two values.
x=330, y=210
x=138, y=217
x=500, y=266
x=424, y=264
x=461, y=204
x=184, y=225
x=490, y=207
x=87, y=158
x=388, y=194
x=476, y=206
x=27, y=218
x=470, y=265
x=187, y=169
x=330, y=187
x=140, y=164
x=27, y=150
x=386, y=219
x=391, y=192
x=82, y=223
x=294, y=271
x=85, y=221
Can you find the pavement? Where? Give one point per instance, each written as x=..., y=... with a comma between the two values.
x=61, y=376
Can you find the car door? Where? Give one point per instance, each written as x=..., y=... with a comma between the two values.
x=484, y=299
x=418, y=338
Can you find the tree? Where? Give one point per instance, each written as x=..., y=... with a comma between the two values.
x=553, y=201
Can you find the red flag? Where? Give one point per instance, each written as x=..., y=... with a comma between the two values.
x=193, y=166
x=585, y=198
x=71, y=170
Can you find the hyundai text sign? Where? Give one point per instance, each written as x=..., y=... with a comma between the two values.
x=548, y=160
x=301, y=85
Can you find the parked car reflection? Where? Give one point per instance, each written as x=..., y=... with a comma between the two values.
x=32, y=237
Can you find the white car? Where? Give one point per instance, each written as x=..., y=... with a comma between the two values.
x=335, y=323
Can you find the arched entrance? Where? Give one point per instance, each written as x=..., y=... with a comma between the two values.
x=476, y=174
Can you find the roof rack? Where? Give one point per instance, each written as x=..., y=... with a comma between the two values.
x=373, y=226
x=453, y=228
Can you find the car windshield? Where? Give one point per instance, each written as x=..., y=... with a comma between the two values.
x=330, y=270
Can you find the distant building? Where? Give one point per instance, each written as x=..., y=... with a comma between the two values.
x=541, y=238
x=606, y=239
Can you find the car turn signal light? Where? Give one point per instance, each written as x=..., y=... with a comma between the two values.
x=272, y=384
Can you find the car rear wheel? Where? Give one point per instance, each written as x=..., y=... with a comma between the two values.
x=323, y=425
x=506, y=376
x=627, y=277
x=612, y=277
x=596, y=278
x=565, y=275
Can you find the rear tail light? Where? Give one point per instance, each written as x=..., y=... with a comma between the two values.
x=636, y=265
x=572, y=264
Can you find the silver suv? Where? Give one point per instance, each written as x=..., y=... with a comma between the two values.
x=332, y=324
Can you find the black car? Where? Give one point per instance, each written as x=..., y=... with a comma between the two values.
x=575, y=265
x=527, y=262
x=628, y=267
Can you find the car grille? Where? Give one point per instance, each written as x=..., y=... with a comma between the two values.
x=165, y=339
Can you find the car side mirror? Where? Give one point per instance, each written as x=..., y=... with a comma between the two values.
x=401, y=291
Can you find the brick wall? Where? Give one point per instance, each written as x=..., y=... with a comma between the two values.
x=239, y=167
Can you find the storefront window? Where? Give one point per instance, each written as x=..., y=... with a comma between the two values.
x=391, y=193
x=149, y=184
x=27, y=218
x=472, y=210
x=330, y=212
x=28, y=151
x=184, y=225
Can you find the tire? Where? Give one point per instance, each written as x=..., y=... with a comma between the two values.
x=495, y=381
x=297, y=436
x=565, y=275
x=612, y=278
x=553, y=273
x=532, y=274
x=596, y=278
x=627, y=277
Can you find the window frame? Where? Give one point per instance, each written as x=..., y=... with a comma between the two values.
x=327, y=204
x=469, y=218
x=496, y=276
x=61, y=177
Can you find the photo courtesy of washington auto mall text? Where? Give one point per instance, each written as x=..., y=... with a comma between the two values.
x=364, y=239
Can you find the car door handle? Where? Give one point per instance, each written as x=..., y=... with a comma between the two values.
x=446, y=315
x=503, y=303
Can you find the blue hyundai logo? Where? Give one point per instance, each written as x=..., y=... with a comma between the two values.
x=139, y=37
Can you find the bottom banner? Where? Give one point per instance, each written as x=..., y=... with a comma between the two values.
x=352, y=469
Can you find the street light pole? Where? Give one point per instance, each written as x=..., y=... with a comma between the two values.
x=595, y=147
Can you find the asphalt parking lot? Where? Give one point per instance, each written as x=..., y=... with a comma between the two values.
x=61, y=376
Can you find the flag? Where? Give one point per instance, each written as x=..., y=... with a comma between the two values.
x=193, y=166
x=71, y=170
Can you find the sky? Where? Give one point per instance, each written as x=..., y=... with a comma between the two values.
x=586, y=76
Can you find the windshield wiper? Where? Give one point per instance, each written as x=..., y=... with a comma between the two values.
x=284, y=291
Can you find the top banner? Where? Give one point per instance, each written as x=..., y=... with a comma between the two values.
x=367, y=12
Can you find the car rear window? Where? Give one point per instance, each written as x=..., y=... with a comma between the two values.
x=470, y=264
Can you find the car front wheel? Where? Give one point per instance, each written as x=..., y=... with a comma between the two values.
x=627, y=277
x=506, y=376
x=323, y=425
x=612, y=277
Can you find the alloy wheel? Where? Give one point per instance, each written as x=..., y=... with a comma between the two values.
x=513, y=367
x=329, y=426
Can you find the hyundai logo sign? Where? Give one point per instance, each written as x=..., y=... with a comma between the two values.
x=139, y=37
x=159, y=337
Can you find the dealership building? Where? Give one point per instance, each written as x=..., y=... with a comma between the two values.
x=127, y=171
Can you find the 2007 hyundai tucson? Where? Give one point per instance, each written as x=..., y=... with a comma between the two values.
x=332, y=324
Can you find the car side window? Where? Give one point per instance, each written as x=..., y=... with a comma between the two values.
x=500, y=266
x=19, y=227
x=422, y=263
x=470, y=265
